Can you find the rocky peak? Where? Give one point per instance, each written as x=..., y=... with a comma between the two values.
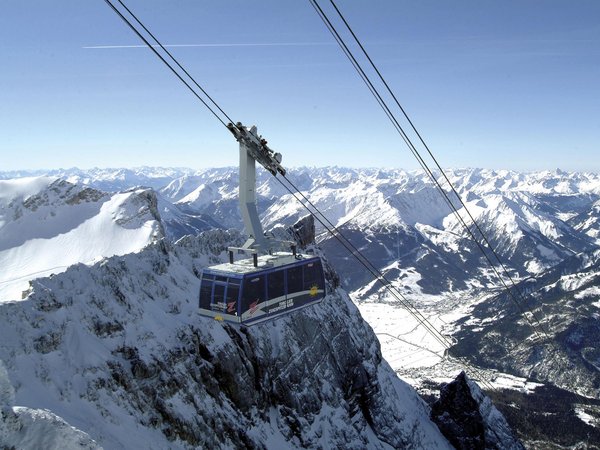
x=469, y=420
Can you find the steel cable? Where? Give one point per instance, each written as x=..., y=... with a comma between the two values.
x=293, y=190
x=427, y=170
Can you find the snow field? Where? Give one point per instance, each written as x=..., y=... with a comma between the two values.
x=54, y=236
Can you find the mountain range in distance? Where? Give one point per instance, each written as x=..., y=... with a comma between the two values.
x=545, y=227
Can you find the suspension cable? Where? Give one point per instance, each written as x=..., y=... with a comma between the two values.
x=430, y=153
x=351, y=248
x=379, y=276
x=293, y=190
x=426, y=168
x=175, y=61
x=151, y=47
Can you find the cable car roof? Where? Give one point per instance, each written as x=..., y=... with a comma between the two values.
x=265, y=262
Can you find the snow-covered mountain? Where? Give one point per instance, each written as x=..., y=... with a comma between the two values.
x=28, y=428
x=214, y=193
x=537, y=222
x=543, y=215
x=561, y=352
x=108, y=180
x=119, y=351
x=588, y=221
x=396, y=216
x=180, y=221
x=48, y=224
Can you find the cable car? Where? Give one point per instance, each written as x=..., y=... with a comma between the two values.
x=242, y=293
x=270, y=283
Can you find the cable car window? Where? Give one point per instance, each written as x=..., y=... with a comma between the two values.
x=275, y=284
x=294, y=279
x=237, y=281
x=312, y=275
x=220, y=278
x=205, y=293
x=253, y=292
x=219, y=296
x=233, y=293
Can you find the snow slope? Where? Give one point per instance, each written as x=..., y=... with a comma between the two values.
x=27, y=428
x=397, y=218
x=48, y=224
x=119, y=350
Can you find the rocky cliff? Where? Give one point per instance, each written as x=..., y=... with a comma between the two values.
x=119, y=351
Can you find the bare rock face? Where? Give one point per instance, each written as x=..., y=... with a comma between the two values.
x=469, y=420
x=457, y=415
x=303, y=231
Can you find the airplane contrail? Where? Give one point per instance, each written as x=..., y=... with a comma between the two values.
x=258, y=44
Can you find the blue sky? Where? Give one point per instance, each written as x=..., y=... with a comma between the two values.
x=498, y=84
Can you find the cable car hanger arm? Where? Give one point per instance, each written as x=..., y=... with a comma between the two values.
x=257, y=148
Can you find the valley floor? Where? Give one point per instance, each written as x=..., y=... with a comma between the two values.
x=543, y=415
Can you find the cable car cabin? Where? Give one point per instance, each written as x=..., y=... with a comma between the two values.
x=243, y=293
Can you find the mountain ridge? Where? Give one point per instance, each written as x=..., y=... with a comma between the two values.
x=48, y=224
x=119, y=350
x=538, y=222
